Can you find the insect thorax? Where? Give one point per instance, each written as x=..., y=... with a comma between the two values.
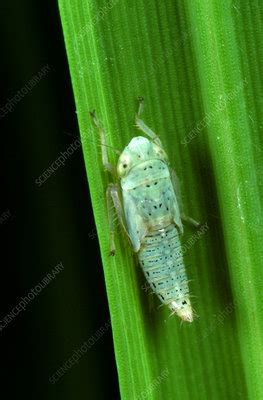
x=145, y=172
x=149, y=190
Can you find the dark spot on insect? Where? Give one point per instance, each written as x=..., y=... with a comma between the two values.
x=150, y=166
x=150, y=214
x=155, y=183
x=167, y=208
x=145, y=168
x=148, y=186
x=154, y=285
x=184, y=302
x=162, y=297
x=155, y=207
x=160, y=205
x=124, y=165
x=148, y=273
x=139, y=156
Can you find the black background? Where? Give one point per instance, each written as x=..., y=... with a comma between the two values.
x=47, y=224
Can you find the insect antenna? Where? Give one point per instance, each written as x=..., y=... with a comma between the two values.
x=89, y=138
x=117, y=151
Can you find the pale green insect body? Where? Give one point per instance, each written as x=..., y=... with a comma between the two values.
x=153, y=222
x=148, y=211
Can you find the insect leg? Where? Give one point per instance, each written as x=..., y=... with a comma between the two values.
x=140, y=124
x=176, y=186
x=105, y=160
x=191, y=221
x=112, y=196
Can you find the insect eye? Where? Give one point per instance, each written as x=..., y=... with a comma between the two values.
x=124, y=163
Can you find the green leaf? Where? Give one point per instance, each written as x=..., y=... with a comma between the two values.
x=197, y=64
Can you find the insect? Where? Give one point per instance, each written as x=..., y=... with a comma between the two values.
x=147, y=202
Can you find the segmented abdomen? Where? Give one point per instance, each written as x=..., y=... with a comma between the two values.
x=162, y=262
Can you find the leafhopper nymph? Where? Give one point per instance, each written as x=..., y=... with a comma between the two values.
x=147, y=204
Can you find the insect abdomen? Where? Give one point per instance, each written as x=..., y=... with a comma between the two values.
x=162, y=262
